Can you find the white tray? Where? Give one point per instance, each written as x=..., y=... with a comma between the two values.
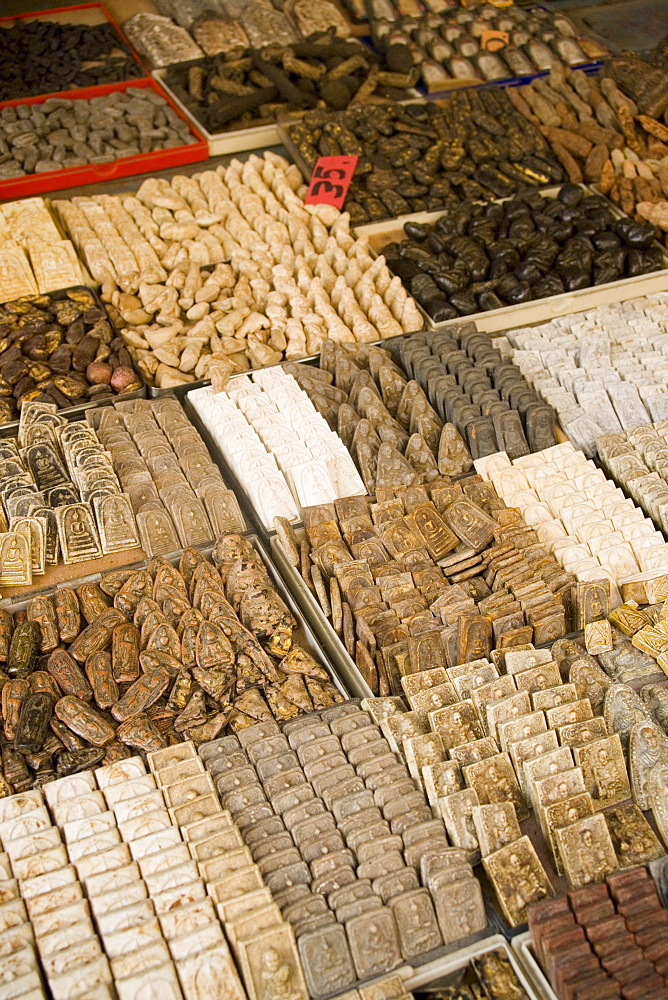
x=253, y=137
x=539, y=310
x=450, y=964
x=236, y=140
x=521, y=945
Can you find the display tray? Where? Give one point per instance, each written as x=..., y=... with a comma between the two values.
x=348, y=669
x=236, y=140
x=76, y=573
x=127, y=166
x=89, y=14
x=76, y=412
x=293, y=153
x=447, y=971
x=304, y=632
x=523, y=950
x=91, y=569
x=247, y=507
x=538, y=310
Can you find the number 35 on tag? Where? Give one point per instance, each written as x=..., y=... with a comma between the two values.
x=330, y=180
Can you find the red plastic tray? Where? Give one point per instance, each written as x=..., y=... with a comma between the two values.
x=48, y=15
x=141, y=163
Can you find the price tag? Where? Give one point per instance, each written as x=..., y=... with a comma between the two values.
x=330, y=180
x=492, y=41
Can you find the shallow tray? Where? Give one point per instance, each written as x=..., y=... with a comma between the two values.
x=538, y=310
x=304, y=630
x=285, y=139
x=245, y=502
x=91, y=173
x=445, y=971
x=182, y=392
x=73, y=412
x=76, y=573
x=83, y=13
x=236, y=140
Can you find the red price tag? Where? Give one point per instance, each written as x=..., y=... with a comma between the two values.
x=330, y=180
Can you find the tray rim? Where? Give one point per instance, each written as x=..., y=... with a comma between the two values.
x=522, y=946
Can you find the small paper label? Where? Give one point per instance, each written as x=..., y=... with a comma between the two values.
x=330, y=180
x=492, y=41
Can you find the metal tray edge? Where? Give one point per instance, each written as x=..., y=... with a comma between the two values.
x=321, y=625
